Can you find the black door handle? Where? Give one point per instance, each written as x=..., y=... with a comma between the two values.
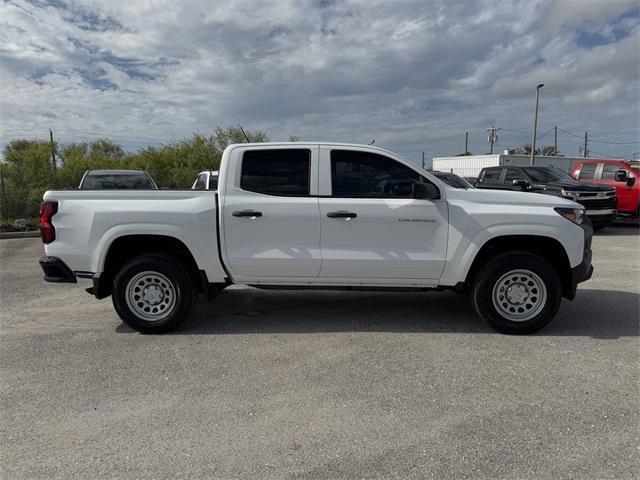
x=342, y=214
x=247, y=213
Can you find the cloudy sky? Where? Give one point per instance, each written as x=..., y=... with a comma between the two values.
x=414, y=75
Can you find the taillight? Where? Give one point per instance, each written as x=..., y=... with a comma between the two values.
x=47, y=210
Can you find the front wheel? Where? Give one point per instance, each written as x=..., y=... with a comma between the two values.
x=153, y=293
x=517, y=292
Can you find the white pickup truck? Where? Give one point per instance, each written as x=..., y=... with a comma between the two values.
x=318, y=216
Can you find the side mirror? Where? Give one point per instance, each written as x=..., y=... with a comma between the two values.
x=631, y=181
x=522, y=183
x=424, y=191
x=621, y=176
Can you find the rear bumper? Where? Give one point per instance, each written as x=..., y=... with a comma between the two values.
x=56, y=271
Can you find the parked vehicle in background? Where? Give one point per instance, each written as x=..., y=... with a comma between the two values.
x=452, y=180
x=207, y=180
x=598, y=200
x=318, y=216
x=623, y=175
x=117, y=180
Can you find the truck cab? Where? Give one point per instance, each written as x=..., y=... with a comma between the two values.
x=619, y=174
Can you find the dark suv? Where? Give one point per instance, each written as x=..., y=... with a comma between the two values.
x=600, y=201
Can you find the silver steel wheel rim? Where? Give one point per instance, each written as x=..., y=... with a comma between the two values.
x=519, y=295
x=150, y=296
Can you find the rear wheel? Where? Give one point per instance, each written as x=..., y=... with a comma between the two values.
x=517, y=292
x=153, y=293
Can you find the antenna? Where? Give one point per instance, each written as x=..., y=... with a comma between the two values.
x=245, y=134
x=372, y=141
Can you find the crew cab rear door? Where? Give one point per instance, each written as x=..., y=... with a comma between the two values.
x=372, y=227
x=271, y=221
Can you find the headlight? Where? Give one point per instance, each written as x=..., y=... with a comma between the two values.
x=576, y=215
x=568, y=194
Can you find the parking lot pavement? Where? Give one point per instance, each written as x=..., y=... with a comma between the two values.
x=266, y=384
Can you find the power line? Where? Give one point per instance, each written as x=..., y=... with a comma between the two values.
x=546, y=133
x=619, y=157
x=569, y=133
x=613, y=143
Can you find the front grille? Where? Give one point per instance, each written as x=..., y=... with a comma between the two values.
x=599, y=203
x=582, y=195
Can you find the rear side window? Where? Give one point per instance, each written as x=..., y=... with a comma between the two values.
x=283, y=173
x=588, y=171
x=369, y=175
x=513, y=174
x=609, y=171
x=491, y=176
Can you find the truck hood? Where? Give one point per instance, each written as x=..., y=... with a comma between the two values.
x=506, y=197
x=582, y=187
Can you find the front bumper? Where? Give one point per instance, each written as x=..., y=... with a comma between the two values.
x=601, y=217
x=583, y=271
x=56, y=271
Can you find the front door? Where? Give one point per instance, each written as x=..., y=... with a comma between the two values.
x=372, y=227
x=624, y=192
x=271, y=220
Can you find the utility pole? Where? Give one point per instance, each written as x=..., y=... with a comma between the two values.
x=466, y=143
x=3, y=205
x=423, y=160
x=586, y=135
x=535, y=125
x=53, y=150
x=492, y=137
x=555, y=141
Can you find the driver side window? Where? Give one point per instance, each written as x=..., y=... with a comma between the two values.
x=357, y=174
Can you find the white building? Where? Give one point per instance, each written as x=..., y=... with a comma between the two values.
x=469, y=166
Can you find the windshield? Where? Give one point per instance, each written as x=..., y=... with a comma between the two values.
x=110, y=182
x=453, y=180
x=548, y=175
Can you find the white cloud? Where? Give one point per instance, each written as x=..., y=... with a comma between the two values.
x=414, y=74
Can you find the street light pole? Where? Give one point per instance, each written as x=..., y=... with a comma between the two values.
x=535, y=125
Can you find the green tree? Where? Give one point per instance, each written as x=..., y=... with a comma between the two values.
x=223, y=137
x=28, y=172
x=526, y=150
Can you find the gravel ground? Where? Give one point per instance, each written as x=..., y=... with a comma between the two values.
x=268, y=384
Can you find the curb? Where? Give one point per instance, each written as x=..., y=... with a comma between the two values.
x=19, y=234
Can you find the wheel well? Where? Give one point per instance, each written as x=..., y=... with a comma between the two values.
x=548, y=248
x=124, y=248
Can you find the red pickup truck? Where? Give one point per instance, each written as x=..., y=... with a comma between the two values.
x=619, y=173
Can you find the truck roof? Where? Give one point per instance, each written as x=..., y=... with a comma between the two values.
x=115, y=172
x=331, y=144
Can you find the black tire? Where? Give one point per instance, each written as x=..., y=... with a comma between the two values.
x=152, y=272
x=495, y=271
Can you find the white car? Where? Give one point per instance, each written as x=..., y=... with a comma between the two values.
x=318, y=216
x=207, y=180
